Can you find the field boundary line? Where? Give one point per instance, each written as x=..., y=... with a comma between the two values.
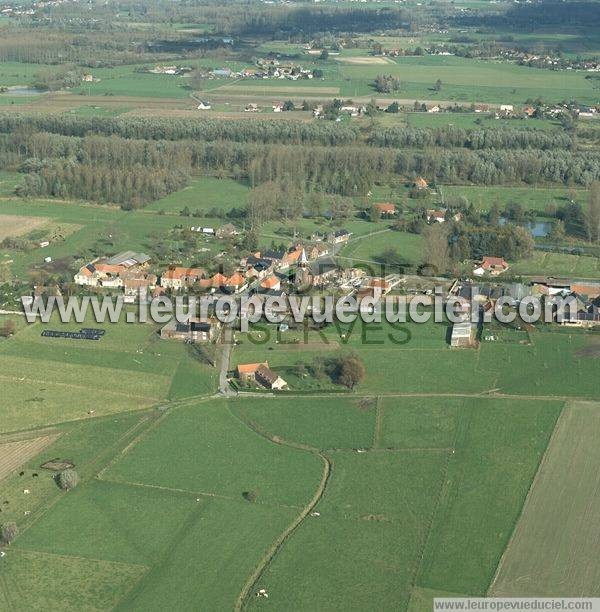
x=288, y=532
x=378, y=423
x=31, y=551
x=542, y=463
x=206, y=494
x=431, y=449
x=72, y=386
x=284, y=536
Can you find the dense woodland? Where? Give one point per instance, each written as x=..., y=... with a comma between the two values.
x=90, y=158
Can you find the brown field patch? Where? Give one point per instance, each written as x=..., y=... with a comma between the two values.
x=16, y=453
x=15, y=225
x=365, y=61
x=269, y=89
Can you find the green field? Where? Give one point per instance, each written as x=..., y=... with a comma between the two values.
x=204, y=194
x=473, y=121
x=280, y=475
x=370, y=248
x=129, y=368
x=441, y=500
x=558, y=264
x=530, y=198
x=563, y=500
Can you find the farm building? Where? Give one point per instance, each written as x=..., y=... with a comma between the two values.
x=491, y=265
x=192, y=330
x=269, y=379
x=262, y=374
x=462, y=334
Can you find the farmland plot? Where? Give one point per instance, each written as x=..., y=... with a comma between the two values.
x=555, y=545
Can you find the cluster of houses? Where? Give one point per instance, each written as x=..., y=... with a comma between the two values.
x=354, y=110
x=264, y=69
x=175, y=70
x=127, y=271
x=584, y=297
x=263, y=271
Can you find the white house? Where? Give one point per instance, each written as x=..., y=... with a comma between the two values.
x=204, y=105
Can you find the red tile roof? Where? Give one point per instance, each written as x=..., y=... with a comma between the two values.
x=250, y=368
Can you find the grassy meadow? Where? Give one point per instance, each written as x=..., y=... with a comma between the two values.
x=129, y=368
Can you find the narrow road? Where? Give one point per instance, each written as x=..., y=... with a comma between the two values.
x=227, y=341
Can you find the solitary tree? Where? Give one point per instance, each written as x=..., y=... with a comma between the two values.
x=250, y=496
x=8, y=532
x=438, y=85
x=68, y=479
x=352, y=371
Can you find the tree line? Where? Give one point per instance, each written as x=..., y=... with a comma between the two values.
x=286, y=132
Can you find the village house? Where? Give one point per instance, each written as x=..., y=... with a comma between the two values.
x=380, y=286
x=491, y=265
x=420, y=183
x=138, y=285
x=251, y=108
x=204, y=105
x=275, y=256
x=270, y=283
x=227, y=231
x=256, y=266
x=269, y=379
x=435, y=216
x=235, y=283
x=246, y=372
x=262, y=374
x=339, y=236
x=177, y=278
x=314, y=251
x=386, y=209
x=317, y=273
